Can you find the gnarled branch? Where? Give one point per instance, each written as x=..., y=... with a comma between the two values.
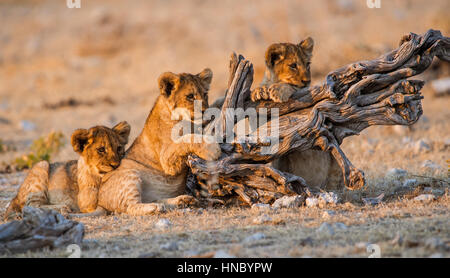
x=352, y=98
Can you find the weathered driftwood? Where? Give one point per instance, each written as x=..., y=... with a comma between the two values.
x=352, y=98
x=39, y=228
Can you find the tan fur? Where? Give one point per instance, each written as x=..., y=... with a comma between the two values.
x=73, y=186
x=281, y=80
x=154, y=169
x=286, y=64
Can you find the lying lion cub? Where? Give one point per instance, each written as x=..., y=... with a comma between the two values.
x=73, y=186
x=153, y=172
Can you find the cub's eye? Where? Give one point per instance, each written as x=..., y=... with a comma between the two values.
x=190, y=97
x=119, y=149
x=293, y=66
x=101, y=150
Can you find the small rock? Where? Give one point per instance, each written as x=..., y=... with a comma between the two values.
x=261, y=207
x=169, y=246
x=27, y=125
x=430, y=165
x=409, y=183
x=396, y=173
x=289, y=202
x=421, y=146
x=312, y=202
x=434, y=243
x=426, y=198
x=326, y=228
x=340, y=226
x=328, y=198
x=373, y=201
x=254, y=237
x=222, y=254
x=163, y=223
x=262, y=219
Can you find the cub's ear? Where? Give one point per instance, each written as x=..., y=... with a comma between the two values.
x=307, y=46
x=79, y=140
x=123, y=130
x=168, y=83
x=206, y=77
x=275, y=53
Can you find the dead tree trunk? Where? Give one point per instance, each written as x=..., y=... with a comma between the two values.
x=351, y=99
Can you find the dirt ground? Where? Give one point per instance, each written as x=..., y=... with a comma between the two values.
x=113, y=52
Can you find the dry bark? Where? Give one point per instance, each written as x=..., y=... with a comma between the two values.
x=352, y=98
x=39, y=228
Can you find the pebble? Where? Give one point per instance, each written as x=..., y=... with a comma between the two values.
x=434, y=243
x=254, y=237
x=426, y=198
x=288, y=202
x=421, y=146
x=262, y=219
x=428, y=164
x=312, y=202
x=169, y=246
x=222, y=254
x=163, y=223
x=340, y=226
x=373, y=201
x=396, y=173
x=328, y=198
x=326, y=228
x=261, y=207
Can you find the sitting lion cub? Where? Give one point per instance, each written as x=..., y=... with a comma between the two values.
x=73, y=186
x=288, y=69
x=154, y=171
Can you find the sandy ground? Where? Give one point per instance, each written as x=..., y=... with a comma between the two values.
x=117, y=49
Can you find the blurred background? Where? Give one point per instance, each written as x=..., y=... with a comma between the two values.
x=62, y=69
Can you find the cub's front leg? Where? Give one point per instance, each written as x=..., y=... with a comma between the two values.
x=277, y=92
x=173, y=158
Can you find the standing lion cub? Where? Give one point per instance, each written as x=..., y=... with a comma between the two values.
x=73, y=186
x=154, y=170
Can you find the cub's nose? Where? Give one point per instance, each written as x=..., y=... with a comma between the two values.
x=306, y=82
x=114, y=164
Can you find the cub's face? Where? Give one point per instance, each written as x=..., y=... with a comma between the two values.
x=102, y=148
x=289, y=63
x=179, y=91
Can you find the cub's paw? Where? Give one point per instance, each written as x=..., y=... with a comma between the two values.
x=209, y=151
x=182, y=201
x=260, y=93
x=280, y=92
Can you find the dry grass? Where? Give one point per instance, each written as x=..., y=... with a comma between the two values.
x=51, y=54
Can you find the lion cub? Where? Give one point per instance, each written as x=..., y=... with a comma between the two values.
x=153, y=172
x=73, y=186
x=288, y=68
